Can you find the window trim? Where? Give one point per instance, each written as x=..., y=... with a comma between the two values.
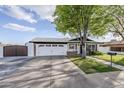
x=48, y=45
x=54, y=45
x=41, y=45
x=61, y=45
x=71, y=45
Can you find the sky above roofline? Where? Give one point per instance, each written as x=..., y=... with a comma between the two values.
x=20, y=24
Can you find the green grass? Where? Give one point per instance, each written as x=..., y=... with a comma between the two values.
x=91, y=66
x=118, y=59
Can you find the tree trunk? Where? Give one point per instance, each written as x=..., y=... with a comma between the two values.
x=84, y=51
x=81, y=40
x=121, y=36
x=84, y=46
x=81, y=43
x=118, y=32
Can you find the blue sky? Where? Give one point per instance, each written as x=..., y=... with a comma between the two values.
x=19, y=24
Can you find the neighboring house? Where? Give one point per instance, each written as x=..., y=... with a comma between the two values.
x=58, y=46
x=115, y=46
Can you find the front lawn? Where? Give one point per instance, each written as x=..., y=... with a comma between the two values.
x=91, y=66
x=118, y=59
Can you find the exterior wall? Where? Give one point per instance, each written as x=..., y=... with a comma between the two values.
x=1, y=51
x=30, y=49
x=103, y=49
x=66, y=48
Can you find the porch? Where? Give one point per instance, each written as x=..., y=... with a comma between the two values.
x=74, y=48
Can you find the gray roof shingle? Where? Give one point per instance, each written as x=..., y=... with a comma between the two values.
x=65, y=40
x=50, y=40
x=111, y=43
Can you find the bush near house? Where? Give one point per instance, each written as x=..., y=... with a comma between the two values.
x=91, y=66
x=95, y=53
x=117, y=59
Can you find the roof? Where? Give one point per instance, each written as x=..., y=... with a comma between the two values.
x=113, y=43
x=61, y=40
x=78, y=38
x=50, y=40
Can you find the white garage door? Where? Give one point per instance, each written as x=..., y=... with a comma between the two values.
x=51, y=49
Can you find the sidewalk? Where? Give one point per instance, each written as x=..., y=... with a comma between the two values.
x=107, y=62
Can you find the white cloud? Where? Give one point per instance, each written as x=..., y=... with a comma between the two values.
x=18, y=27
x=18, y=12
x=44, y=11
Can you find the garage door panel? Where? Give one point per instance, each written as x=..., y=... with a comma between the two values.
x=44, y=51
x=51, y=51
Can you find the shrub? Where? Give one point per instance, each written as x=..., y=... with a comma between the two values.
x=95, y=53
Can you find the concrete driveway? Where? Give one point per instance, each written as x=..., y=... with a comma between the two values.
x=39, y=72
x=52, y=72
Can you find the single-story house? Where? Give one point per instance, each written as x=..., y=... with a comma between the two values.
x=50, y=47
x=114, y=46
x=58, y=46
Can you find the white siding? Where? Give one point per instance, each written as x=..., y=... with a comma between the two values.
x=1, y=51
x=78, y=49
x=30, y=49
x=103, y=49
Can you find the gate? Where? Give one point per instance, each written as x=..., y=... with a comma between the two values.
x=14, y=50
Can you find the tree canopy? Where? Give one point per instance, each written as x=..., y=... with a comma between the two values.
x=117, y=26
x=71, y=18
x=82, y=20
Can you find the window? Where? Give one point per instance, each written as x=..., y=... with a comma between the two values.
x=93, y=48
x=48, y=45
x=41, y=46
x=61, y=45
x=71, y=46
x=119, y=49
x=54, y=45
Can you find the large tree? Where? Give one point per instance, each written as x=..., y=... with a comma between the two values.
x=82, y=20
x=116, y=27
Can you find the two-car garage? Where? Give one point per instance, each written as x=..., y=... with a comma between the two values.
x=47, y=47
x=51, y=49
